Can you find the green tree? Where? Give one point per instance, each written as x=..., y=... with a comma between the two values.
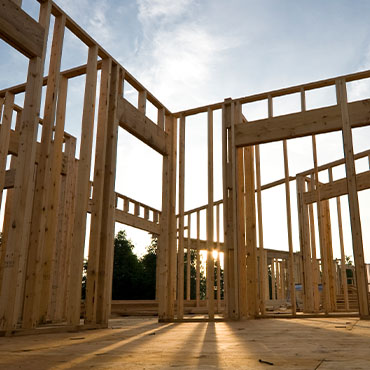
x=84, y=275
x=135, y=278
x=203, y=281
x=149, y=265
x=127, y=270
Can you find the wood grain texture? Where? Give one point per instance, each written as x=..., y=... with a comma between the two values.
x=20, y=30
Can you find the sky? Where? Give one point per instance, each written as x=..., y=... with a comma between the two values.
x=190, y=53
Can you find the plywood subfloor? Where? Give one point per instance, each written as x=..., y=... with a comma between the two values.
x=142, y=343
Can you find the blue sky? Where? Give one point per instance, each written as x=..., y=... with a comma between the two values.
x=191, y=52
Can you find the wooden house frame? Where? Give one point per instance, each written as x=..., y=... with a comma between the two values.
x=49, y=192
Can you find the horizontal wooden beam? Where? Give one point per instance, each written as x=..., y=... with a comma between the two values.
x=280, y=92
x=337, y=188
x=276, y=183
x=68, y=73
x=138, y=222
x=130, y=219
x=338, y=162
x=82, y=35
x=133, y=201
x=271, y=253
x=120, y=216
x=290, y=126
x=142, y=127
x=20, y=30
x=305, y=87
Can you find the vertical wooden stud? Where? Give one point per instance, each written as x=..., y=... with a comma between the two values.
x=82, y=191
x=210, y=229
x=323, y=249
x=343, y=274
x=52, y=251
x=289, y=227
x=106, y=253
x=142, y=101
x=229, y=206
x=97, y=200
x=273, y=280
x=315, y=265
x=326, y=224
x=358, y=250
x=18, y=238
x=188, y=260
x=65, y=218
x=304, y=238
x=262, y=261
x=251, y=237
x=197, y=288
x=218, y=258
x=167, y=242
x=180, y=253
x=5, y=137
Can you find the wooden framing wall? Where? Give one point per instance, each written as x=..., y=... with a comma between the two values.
x=41, y=265
x=342, y=116
x=49, y=192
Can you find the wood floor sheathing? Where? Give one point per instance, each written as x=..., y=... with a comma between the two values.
x=143, y=343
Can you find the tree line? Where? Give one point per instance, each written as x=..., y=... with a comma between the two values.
x=134, y=278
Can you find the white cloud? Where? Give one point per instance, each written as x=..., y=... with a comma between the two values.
x=181, y=58
x=179, y=53
x=150, y=9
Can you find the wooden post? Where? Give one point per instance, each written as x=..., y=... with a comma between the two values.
x=161, y=117
x=323, y=250
x=342, y=255
x=240, y=222
x=210, y=233
x=142, y=101
x=358, y=251
x=167, y=242
x=262, y=261
x=250, y=231
x=315, y=265
x=286, y=277
x=197, y=288
x=218, y=258
x=82, y=191
x=8, y=208
x=278, y=279
x=267, y=292
x=36, y=264
x=65, y=218
x=273, y=280
x=97, y=199
x=18, y=238
x=53, y=251
x=106, y=253
x=188, y=261
x=228, y=176
x=5, y=137
x=289, y=227
x=305, y=245
x=69, y=215
x=180, y=253
x=329, y=253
